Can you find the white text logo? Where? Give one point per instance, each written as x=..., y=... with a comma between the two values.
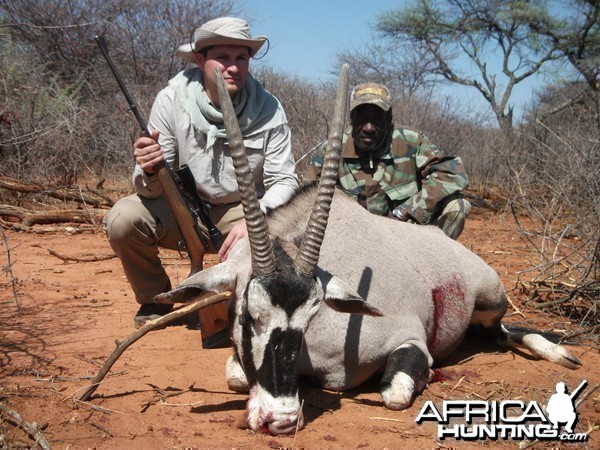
x=508, y=419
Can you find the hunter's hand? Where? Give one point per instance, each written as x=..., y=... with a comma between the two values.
x=147, y=152
x=402, y=215
x=238, y=231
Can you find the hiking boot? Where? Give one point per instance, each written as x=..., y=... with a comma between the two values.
x=150, y=311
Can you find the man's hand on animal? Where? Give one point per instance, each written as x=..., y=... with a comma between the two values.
x=238, y=232
x=401, y=215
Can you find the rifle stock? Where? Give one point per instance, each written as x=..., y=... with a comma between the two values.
x=214, y=318
x=187, y=224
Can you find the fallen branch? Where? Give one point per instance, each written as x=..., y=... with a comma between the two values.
x=149, y=326
x=517, y=310
x=589, y=290
x=590, y=331
x=30, y=428
x=84, y=259
x=28, y=218
x=74, y=194
x=67, y=229
x=388, y=419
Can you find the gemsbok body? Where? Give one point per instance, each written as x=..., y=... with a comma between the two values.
x=323, y=288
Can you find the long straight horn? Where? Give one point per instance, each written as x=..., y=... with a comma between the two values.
x=308, y=255
x=263, y=260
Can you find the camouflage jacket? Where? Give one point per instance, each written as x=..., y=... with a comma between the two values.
x=409, y=171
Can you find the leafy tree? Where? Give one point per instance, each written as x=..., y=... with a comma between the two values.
x=480, y=30
x=577, y=38
x=402, y=69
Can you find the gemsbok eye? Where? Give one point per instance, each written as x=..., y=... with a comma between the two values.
x=246, y=319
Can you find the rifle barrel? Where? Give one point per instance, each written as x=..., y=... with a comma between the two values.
x=104, y=49
x=578, y=389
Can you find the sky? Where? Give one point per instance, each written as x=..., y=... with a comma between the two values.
x=305, y=37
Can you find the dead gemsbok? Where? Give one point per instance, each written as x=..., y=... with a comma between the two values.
x=323, y=288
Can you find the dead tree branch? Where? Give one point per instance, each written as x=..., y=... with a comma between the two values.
x=149, y=326
x=73, y=194
x=30, y=428
x=566, y=280
x=29, y=218
x=84, y=259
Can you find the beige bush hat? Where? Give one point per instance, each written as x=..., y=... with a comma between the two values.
x=221, y=31
x=371, y=93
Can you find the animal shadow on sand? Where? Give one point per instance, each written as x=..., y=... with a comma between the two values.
x=318, y=401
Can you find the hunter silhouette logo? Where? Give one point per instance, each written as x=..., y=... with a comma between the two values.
x=561, y=408
x=508, y=419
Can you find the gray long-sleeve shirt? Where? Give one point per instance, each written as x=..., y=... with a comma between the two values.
x=269, y=154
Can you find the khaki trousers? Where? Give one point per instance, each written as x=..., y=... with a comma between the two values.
x=136, y=227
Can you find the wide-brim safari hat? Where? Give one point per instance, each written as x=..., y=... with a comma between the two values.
x=221, y=31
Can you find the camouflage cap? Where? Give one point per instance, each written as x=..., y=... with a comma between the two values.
x=371, y=93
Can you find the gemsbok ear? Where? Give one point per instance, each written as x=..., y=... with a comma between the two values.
x=217, y=278
x=340, y=297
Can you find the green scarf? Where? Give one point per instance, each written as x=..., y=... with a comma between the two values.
x=257, y=110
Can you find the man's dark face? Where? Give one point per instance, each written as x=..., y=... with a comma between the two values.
x=370, y=124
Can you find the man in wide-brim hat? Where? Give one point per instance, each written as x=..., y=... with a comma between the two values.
x=187, y=128
x=222, y=31
x=226, y=32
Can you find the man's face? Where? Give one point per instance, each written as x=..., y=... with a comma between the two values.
x=370, y=124
x=233, y=61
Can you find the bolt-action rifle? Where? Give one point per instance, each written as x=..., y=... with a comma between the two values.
x=179, y=188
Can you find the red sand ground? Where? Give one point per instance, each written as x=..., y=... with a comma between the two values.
x=167, y=392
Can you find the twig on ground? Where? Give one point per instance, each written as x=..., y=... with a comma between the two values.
x=30, y=428
x=8, y=269
x=84, y=259
x=589, y=331
x=99, y=408
x=387, y=419
x=456, y=385
x=162, y=395
x=517, y=310
x=101, y=428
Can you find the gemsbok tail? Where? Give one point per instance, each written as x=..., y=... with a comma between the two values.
x=539, y=345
